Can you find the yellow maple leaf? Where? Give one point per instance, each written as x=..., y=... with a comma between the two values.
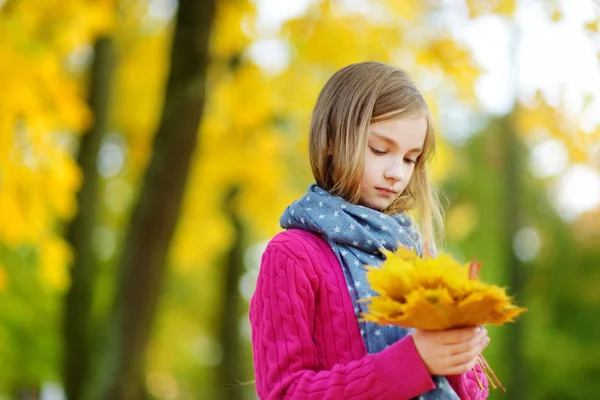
x=434, y=294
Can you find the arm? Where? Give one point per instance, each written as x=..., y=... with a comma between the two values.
x=282, y=312
x=466, y=385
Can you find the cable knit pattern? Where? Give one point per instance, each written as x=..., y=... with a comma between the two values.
x=306, y=340
x=467, y=387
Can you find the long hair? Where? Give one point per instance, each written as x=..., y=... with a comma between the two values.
x=352, y=99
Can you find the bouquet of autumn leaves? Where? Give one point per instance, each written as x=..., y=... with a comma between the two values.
x=436, y=294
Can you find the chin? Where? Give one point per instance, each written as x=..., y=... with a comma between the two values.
x=376, y=205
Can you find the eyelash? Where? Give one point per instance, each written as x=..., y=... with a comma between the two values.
x=378, y=152
x=381, y=153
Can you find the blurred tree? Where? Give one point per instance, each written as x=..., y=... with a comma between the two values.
x=230, y=367
x=78, y=316
x=482, y=223
x=155, y=215
x=42, y=113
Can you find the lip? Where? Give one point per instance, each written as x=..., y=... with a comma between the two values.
x=386, y=192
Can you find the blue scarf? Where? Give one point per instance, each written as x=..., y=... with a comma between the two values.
x=355, y=234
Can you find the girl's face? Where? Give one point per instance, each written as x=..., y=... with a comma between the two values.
x=393, y=147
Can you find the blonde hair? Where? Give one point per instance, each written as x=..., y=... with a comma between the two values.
x=353, y=98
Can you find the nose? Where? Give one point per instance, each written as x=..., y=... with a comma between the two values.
x=394, y=172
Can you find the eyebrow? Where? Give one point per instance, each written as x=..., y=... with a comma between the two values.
x=393, y=142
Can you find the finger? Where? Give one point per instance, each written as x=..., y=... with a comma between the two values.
x=464, y=347
x=469, y=355
x=454, y=336
x=461, y=368
x=451, y=367
x=485, y=344
x=452, y=361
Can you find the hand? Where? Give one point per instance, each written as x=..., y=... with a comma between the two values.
x=450, y=352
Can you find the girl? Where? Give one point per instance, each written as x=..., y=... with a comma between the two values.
x=370, y=140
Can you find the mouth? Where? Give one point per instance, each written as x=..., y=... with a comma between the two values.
x=386, y=192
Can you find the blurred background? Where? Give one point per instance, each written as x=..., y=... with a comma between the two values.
x=148, y=148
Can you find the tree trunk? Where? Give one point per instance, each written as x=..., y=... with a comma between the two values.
x=230, y=371
x=79, y=298
x=513, y=187
x=147, y=242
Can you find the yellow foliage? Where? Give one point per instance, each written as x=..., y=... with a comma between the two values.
x=55, y=257
x=540, y=120
x=461, y=221
x=593, y=26
x=330, y=39
x=556, y=15
x=41, y=111
x=411, y=11
x=231, y=35
x=434, y=294
x=139, y=86
x=455, y=60
x=481, y=7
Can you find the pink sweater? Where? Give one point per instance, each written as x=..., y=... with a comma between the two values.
x=306, y=339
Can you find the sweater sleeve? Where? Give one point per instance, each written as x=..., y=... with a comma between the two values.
x=467, y=387
x=282, y=313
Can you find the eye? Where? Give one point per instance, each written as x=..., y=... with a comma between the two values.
x=409, y=161
x=377, y=152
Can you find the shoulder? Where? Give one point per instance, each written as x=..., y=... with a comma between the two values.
x=297, y=241
x=301, y=247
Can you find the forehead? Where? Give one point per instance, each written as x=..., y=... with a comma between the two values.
x=407, y=133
